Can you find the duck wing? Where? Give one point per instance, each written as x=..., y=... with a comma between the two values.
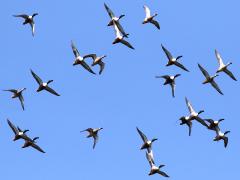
x=168, y=54
x=155, y=23
x=95, y=140
x=165, y=76
x=126, y=43
x=35, y=146
x=102, y=65
x=75, y=50
x=93, y=56
x=219, y=58
x=230, y=74
x=200, y=120
x=162, y=173
x=205, y=73
x=32, y=24
x=14, y=129
x=147, y=11
x=87, y=67
x=181, y=66
x=189, y=105
x=189, y=124
x=143, y=136
x=173, y=89
x=21, y=99
x=225, y=139
x=22, y=16
x=37, y=78
x=90, y=130
x=109, y=11
x=215, y=86
x=11, y=90
x=47, y=88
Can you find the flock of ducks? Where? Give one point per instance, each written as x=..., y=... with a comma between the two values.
x=121, y=36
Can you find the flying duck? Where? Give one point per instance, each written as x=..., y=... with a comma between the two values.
x=32, y=143
x=18, y=94
x=115, y=19
x=193, y=116
x=120, y=38
x=172, y=60
x=43, y=85
x=154, y=168
x=214, y=125
x=93, y=133
x=221, y=136
x=19, y=134
x=222, y=67
x=149, y=18
x=171, y=81
x=147, y=144
x=210, y=79
x=97, y=60
x=80, y=60
x=28, y=20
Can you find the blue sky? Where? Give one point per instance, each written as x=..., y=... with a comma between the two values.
x=126, y=95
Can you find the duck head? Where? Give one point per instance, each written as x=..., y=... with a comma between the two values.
x=25, y=131
x=228, y=64
x=178, y=57
x=155, y=15
x=220, y=120
x=121, y=16
x=154, y=139
x=226, y=132
x=49, y=81
x=201, y=111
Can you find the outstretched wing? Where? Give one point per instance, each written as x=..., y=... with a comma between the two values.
x=168, y=54
x=225, y=139
x=200, y=120
x=21, y=99
x=205, y=73
x=14, y=129
x=35, y=146
x=173, y=89
x=219, y=58
x=127, y=43
x=38, y=79
x=163, y=173
x=215, y=86
x=93, y=56
x=11, y=90
x=47, y=88
x=102, y=65
x=190, y=108
x=230, y=74
x=32, y=24
x=87, y=67
x=74, y=49
x=147, y=11
x=109, y=11
x=143, y=136
x=22, y=16
x=95, y=140
x=181, y=66
x=155, y=23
